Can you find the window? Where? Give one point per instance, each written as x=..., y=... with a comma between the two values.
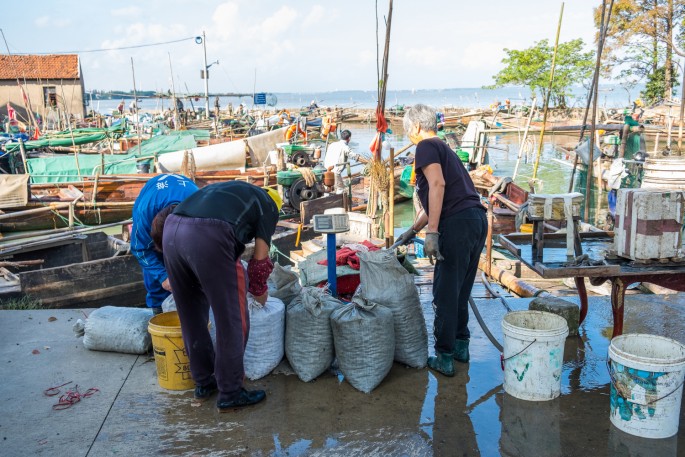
x=50, y=96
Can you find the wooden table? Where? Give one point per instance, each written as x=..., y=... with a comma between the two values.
x=553, y=264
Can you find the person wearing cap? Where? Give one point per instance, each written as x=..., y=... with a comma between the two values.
x=337, y=156
x=202, y=242
x=160, y=194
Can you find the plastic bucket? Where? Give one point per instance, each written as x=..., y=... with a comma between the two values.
x=171, y=358
x=533, y=354
x=647, y=373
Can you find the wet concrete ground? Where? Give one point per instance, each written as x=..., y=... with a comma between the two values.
x=413, y=412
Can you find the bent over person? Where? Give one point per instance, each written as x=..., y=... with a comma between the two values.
x=456, y=228
x=159, y=194
x=203, y=240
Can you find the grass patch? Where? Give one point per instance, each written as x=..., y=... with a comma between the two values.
x=21, y=303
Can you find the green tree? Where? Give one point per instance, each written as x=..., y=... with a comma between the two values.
x=531, y=67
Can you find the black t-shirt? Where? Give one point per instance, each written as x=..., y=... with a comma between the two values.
x=248, y=208
x=460, y=193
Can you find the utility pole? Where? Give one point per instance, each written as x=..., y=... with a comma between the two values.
x=204, y=45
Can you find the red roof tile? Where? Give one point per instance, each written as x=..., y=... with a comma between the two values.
x=39, y=67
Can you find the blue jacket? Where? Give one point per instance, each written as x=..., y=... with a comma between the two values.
x=158, y=193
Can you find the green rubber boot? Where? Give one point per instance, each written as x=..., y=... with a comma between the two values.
x=442, y=363
x=461, y=351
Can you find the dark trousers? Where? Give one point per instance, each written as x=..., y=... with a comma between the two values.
x=462, y=237
x=202, y=259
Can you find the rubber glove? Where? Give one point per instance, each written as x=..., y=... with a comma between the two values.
x=430, y=247
x=406, y=237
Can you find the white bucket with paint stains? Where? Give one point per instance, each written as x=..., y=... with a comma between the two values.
x=533, y=354
x=647, y=373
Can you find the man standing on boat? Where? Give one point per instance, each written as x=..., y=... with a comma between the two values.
x=456, y=228
x=203, y=240
x=337, y=156
x=159, y=193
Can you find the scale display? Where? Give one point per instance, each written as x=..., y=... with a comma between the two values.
x=331, y=223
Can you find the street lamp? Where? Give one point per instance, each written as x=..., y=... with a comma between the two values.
x=202, y=40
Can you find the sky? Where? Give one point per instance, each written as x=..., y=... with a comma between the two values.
x=295, y=46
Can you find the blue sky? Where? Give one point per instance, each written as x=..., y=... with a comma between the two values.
x=295, y=46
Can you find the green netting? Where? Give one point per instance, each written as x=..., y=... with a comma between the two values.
x=63, y=169
x=68, y=138
x=162, y=144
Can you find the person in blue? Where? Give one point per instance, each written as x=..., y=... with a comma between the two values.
x=160, y=192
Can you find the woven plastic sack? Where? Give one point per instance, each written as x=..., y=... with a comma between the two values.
x=308, y=334
x=264, y=350
x=284, y=284
x=385, y=281
x=118, y=329
x=364, y=337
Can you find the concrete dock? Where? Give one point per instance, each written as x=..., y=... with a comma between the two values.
x=412, y=413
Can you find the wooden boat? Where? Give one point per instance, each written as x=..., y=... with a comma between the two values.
x=72, y=271
x=505, y=196
x=102, y=199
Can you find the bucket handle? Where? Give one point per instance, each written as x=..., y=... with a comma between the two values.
x=620, y=393
x=502, y=359
x=171, y=341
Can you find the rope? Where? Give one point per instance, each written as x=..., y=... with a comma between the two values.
x=70, y=398
x=308, y=176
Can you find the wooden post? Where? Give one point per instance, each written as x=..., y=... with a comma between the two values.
x=390, y=232
x=488, y=249
x=682, y=111
x=173, y=91
x=22, y=150
x=547, y=97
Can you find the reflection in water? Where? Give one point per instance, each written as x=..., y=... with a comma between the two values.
x=529, y=428
x=428, y=410
x=453, y=432
x=625, y=445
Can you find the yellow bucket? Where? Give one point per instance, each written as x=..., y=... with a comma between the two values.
x=171, y=358
x=526, y=228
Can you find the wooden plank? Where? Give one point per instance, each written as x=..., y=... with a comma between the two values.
x=71, y=279
x=317, y=206
x=510, y=246
x=132, y=294
x=548, y=272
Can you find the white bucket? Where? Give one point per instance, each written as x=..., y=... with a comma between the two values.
x=533, y=354
x=647, y=373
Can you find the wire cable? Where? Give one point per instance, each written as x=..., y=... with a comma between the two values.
x=110, y=49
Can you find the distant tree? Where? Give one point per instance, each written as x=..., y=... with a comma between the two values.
x=531, y=67
x=640, y=43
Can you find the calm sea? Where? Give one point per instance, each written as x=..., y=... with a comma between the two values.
x=610, y=96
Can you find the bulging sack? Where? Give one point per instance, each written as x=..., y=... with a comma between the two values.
x=386, y=282
x=284, y=284
x=308, y=335
x=364, y=337
x=264, y=349
x=118, y=329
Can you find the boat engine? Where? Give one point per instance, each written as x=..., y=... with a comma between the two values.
x=296, y=190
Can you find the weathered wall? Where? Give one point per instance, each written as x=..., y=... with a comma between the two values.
x=69, y=96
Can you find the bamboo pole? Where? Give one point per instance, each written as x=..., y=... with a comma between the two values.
x=22, y=150
x=390, y=231
x=135, y=101
x=173, y=91
x=525, y=136
x=682, y=112
x=548, y=95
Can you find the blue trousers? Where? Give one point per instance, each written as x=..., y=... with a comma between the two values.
x=462, y=237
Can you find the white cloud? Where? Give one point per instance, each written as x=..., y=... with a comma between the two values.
x=482, y=55
x=48, y=21
x=314, y=17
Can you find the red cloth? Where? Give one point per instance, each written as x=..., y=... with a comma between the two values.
x=346, y=285
x=258, y=272
x=348, y=256
x=381, y=123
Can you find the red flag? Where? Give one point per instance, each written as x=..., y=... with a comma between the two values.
x=11, y=113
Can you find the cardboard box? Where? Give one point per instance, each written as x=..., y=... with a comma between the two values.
x=649, y=224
